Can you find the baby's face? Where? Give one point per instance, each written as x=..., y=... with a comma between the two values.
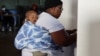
x=33, y=17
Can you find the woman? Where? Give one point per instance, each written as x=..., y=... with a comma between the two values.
x=59, y=37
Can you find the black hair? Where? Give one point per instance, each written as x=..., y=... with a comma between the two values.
x=3, y=6
x=52, y=3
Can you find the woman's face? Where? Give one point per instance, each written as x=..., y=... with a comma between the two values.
x=57, y=11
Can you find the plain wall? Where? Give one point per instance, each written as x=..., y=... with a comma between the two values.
x=69, y=20
x=88, y=43
x=69, y=14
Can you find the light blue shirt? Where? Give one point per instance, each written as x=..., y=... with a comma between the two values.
x=32, y=36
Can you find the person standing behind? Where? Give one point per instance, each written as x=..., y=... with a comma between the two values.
x=59, y=36
x=7, y=19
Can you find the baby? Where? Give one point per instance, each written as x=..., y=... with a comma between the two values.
x=31, y=15
x=29, y=33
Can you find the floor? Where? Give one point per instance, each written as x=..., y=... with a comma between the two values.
x=7, y=44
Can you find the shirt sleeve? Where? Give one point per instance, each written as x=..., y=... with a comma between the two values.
x=50, y=23
x=54, y=26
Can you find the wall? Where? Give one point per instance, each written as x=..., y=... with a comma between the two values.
x=69, y=14
x=69, y=20
x=88, y=28
x=11, y=4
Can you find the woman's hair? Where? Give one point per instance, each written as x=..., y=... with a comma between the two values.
x=51, y=3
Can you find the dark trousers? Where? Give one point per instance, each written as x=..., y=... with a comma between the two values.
x=7, y=20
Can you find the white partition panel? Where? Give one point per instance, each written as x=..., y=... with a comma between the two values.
x=88, y=28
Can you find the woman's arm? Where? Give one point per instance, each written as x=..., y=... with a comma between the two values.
x=62, y=38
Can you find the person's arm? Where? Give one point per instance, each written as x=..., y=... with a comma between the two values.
x=56, y=29
x=62, y=39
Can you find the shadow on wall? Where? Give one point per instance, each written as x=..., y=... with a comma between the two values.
x=74, y=14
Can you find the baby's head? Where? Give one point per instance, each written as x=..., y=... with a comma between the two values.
x=31, y=15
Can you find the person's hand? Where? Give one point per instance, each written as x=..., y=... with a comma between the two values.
x=71, y=31
x=74, y=30
x=74, y=33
